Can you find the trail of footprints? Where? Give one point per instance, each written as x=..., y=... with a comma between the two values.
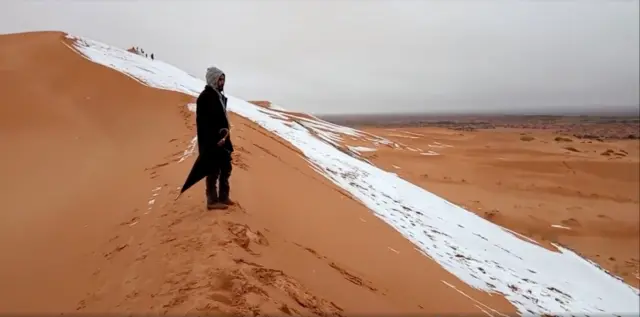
x=215, y=278
x=345, y=273
x=203, y=253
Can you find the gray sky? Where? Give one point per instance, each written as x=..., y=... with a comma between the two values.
x=350, y=56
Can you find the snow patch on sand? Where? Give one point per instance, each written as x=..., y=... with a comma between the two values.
x=190, y=150
x=403, y=136
x=276, y=107
x=361, y=149
x=439, y=145
x=336, y=132
x=480, y=253
x=412, y=133
x=520, y=235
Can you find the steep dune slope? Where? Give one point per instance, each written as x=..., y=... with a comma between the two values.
x=317, y=231
x=72, y=145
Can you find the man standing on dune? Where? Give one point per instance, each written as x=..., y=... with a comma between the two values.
x=214, y=141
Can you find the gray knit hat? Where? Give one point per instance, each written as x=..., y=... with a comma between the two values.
x=212, y=76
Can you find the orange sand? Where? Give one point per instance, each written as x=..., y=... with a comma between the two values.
x=85, y=148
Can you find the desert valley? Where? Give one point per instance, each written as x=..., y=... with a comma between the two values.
x=535, y=175
x=335, y=217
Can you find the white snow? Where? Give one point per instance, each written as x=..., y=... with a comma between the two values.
x=480, y=253
x=475, y=301
x=561, y=227
x=276, y=107
x=429, y=153
x=412, y=133
x=189, y=150
x=335, y=131
x=438, y=145
x=520, y=235
x=361, y=149
x=403, y=136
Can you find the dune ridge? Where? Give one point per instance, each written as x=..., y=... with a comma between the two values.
x=475, y=250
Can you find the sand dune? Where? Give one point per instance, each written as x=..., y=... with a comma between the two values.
x=94, y=226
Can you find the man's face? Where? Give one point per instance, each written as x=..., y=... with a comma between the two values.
x=220, y=82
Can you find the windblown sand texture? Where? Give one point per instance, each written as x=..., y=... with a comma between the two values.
x=98, y=140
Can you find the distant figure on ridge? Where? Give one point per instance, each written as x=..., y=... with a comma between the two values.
x=214, y=142
x=152, y=56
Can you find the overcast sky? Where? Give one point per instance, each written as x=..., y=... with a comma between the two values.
x=350, y=56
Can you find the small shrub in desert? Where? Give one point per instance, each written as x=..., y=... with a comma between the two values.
x=527, y=138
x=563, y=139
x=607, y=152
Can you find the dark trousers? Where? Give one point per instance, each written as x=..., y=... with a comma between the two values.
x=220, y=173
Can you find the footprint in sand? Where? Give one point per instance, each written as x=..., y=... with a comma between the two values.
x=244, y=289
x=344, y=272
x=601, y=216
x=244, y=236
x=571, y=222
x=131, y=222
x=152, y=200
x=295, y=290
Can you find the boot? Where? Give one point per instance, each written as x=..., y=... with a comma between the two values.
x=212, y=198
x=228, y=202
x=213, y=203
x=224, y=194
x=217, y=206
x=224, y=173
x=224, y=198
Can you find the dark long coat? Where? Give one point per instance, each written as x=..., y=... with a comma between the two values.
x=211, y=119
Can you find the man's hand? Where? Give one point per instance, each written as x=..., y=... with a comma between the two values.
x=226, y=134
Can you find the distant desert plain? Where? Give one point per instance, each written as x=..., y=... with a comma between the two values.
x=568, y=180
